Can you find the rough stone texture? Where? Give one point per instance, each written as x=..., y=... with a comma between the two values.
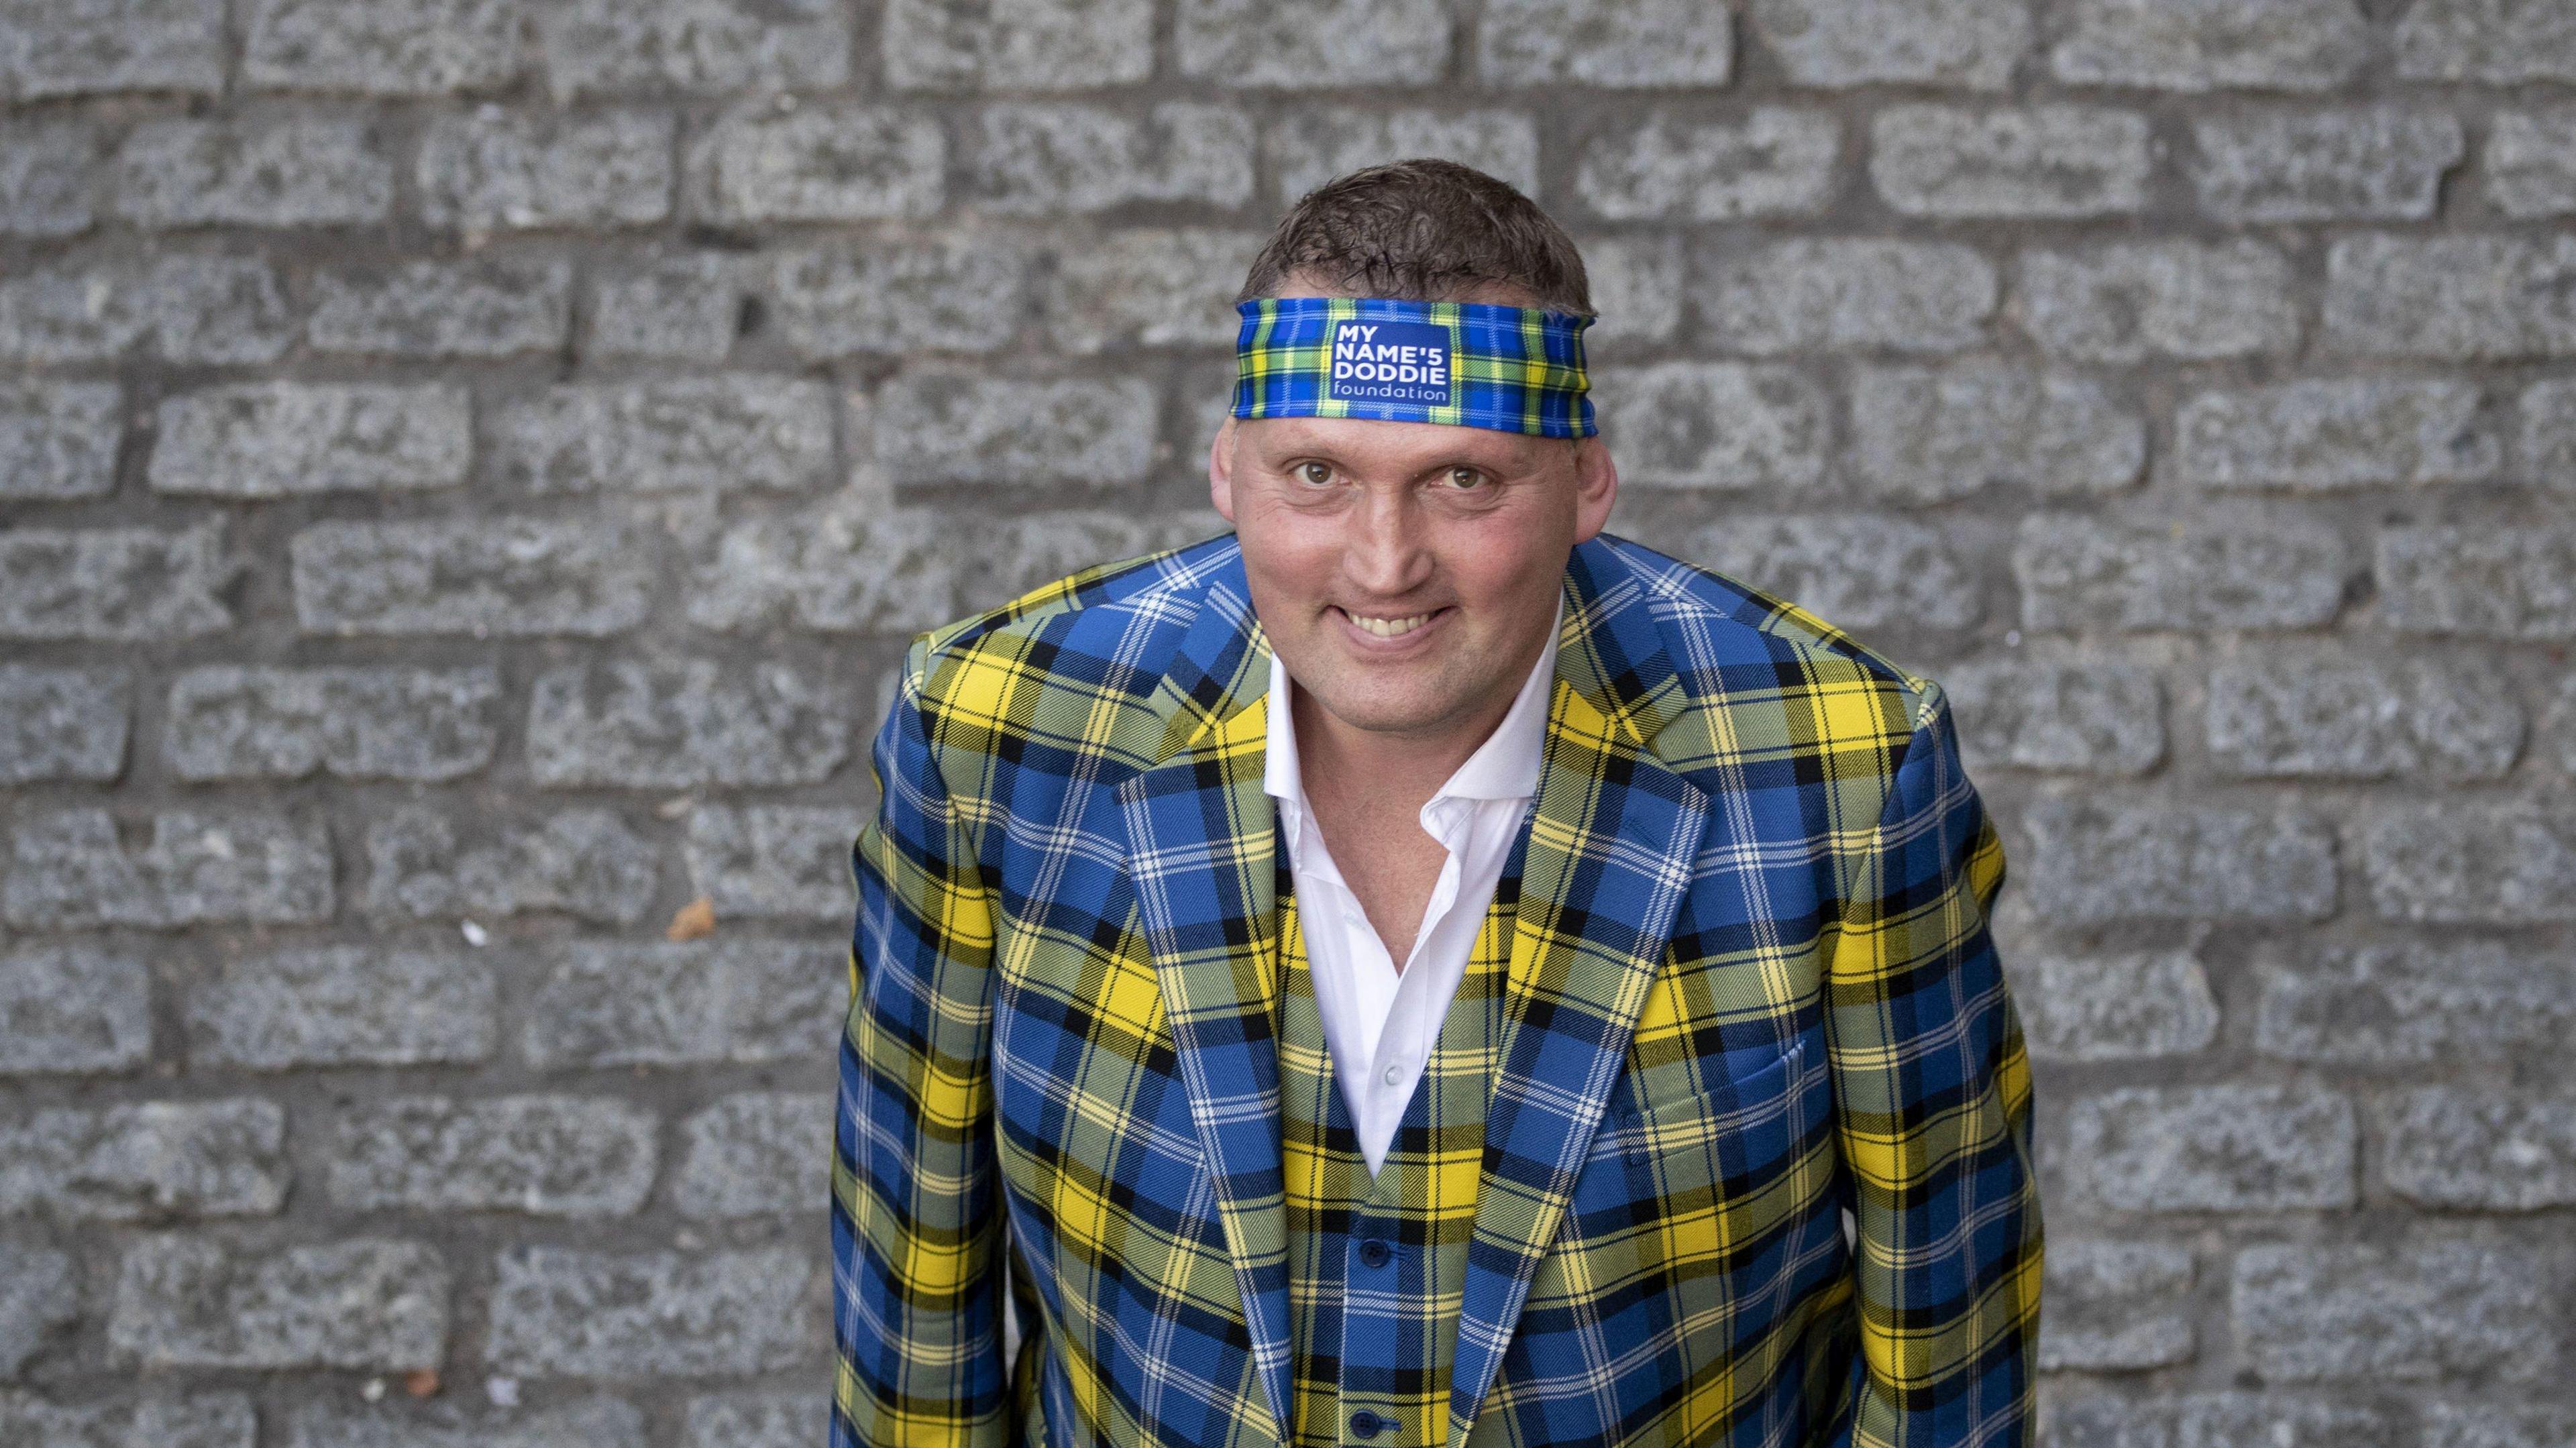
x=2361, y=718
x=2376, y=164
x=482, y=308
x=678, y=725
x=2343, y=433
x=59, y=724
x=2214, y=1149
x=758, y=1420
x=581, y=1423
x=73, y=1008
x=683, y=308
x=961, y=292
x=560, y=1311
x=40, y=1291
x=709, y=433
x=1018, y=44
x=2241, y=571
x=1634, y=280
x=2531, y=163
x=269, y=440
x=1887, y=571
x=783, y=860
x=583, y=862
x=2472, y=863
x=203, y=1420
x=495, y=576
x=58, y=439
x=694, y=47
x=2096, y=858
x=46, y=178
x=753, y=1154
x=1930, y=434
x=1023, y=159
x=2217, y=1420
x=70, y=870
x=1972, y=44
x=492, y=170
x=2028, y=715
x=742, y=1000
x=160, y=1159
x=2412, y=1005
x=2451, y=298
x=1614, y=44
x=2199, y=45
x=1768, y=161
x=1714, y=425
x=547, y=1156
x=1308, y=43
x=2409, y=1313
x=114, y=584
x=2116, y=1305
x=2517, y=583
x=281, y=173
x=235, y=723
x=381, y=47
x=2496, y=41
x=2116, y=1007
x=2467, y=1148
x=2128, y=301
x=344, y=1005
x=2044, y=161
x=189, y=308
x=1311, y=149
x=1149, y=287
x=374, y=1304
x=78, y=47
x=824, y=163
x=966, y=429
x=2549, y=432
x=1792, y=296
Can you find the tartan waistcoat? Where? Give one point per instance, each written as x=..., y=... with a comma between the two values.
x=1377, y=1269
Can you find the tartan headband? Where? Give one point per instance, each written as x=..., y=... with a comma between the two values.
x=1512, y=369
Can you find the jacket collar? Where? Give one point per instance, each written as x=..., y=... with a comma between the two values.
x=1612, y=833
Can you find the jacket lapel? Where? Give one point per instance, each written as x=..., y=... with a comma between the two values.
x=1202, y=856
x=1612, y=836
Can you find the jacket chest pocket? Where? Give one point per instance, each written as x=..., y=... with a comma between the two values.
x=1718, y=1156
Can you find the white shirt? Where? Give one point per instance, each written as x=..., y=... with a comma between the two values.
x=1379, y=1025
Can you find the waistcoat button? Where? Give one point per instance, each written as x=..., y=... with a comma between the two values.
x=1375, y=1253
x=1365, y=1424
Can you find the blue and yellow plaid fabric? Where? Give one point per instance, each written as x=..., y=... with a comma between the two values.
x=1749, y=987
x=1512, y=369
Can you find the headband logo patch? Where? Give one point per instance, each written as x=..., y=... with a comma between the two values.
x=1403, y=363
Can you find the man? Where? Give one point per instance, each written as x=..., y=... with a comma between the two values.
x=1419, y=969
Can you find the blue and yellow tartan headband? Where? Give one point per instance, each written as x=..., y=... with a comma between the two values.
x=1512, y=369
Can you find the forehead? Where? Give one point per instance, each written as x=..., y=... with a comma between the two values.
x=1395, y=445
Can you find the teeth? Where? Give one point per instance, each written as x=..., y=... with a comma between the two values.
x=1387, y=628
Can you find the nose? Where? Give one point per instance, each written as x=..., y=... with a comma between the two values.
x=1384, y=550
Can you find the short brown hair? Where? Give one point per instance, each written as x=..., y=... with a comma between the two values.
x=1424, y=230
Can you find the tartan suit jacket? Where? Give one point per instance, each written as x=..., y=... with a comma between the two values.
x=1750, y=990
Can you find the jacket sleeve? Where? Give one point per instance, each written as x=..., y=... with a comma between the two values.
x=916, y=1238
x=1934, y=1101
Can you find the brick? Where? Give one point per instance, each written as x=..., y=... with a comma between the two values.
x=381, y=47
x=740, y=1000
x=2128, y=301
x=2451, y=298
x=216, y=310
x=1623, y=43
x=232, y=722
x=1972, y=44
x=188, y=868
x=701, y=47
x=1307, y=148
x=2201, y=45
x=1843, y=292
x=159, y=1159
x=2378, y=163
x=487, y=577
x=2131, y=1006
x=683, y=308
x=73, y=1009
x=85, y=47
x=634, y=725
x=782, y=860
x=959, y=292
x=582, y=862
x=2215, y=1149
x=2549, y=432
x=2479, y=1149
x=1148, y=287
x=1853, y=570
x=2117, y=1306
x=2517, y=583
x=1303, y=44
x=832, y=162
x=546, y=1156
x=963, y=428
x=114, y=583
x=58, y=439
x=2092, y=719
x=754, y=1154
x=2305, y=1312
x=2530, y=163
x=714, y=433
x=1040, y=159
x=47, y=175
x=295, y=171
x=2414, y=1003
x=368, y=1304
x=1767, y=161
x=2495, y=1425
x=1714, y=424
x=2036, y=161
x=479, y=308
x=758, y=1420
x=2231, y=571
x=2215, y=1420
x=495, y=170
x=2499, y=42
x=583, y=1423
x=60, y=724
x=40, y=1291
x=1930, y=434
x=2337, y=432
x=1019, y=45
x=1636, y=284
x=203, y=1420
x=2506, y=864
x=343, y=1005
x=2361, y=718
x=2097, y=860
x=560, y=1311
x=278, y=439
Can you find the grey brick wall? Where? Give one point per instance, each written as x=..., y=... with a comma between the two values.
x=467, y=466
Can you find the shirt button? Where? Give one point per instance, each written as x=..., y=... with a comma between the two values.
x=1393, y=1073
x=1365, y=1424
x=1375, y=1253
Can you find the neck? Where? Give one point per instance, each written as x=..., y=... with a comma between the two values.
x=1394, y=768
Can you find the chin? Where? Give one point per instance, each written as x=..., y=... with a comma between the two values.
x=1387, y=710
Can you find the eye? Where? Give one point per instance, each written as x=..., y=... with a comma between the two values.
x=1315, y=473
x=1466, y=478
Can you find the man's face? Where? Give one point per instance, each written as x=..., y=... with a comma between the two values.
x=1406, y=572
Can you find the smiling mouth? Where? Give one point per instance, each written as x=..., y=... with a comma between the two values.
x=1388, y=628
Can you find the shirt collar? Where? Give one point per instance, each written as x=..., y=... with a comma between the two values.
x=1505, y=766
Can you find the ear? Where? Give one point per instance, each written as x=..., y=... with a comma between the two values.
x=1221, y=471
x=1596, y=487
